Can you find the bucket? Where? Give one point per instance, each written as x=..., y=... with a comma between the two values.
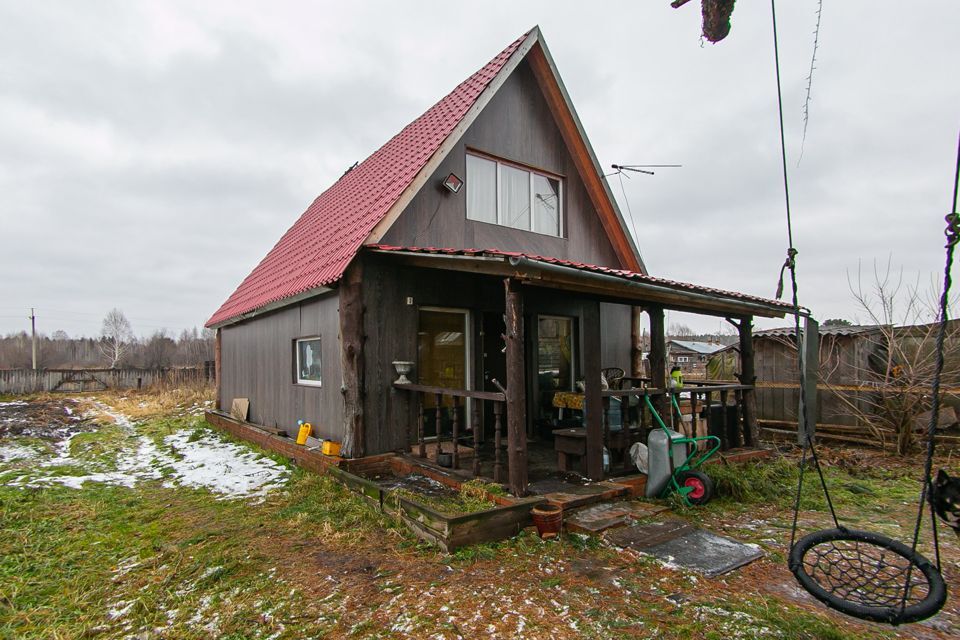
x=330, y=448
x=548, y=518
x=445, y=459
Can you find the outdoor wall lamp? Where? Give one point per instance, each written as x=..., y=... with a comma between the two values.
x=453, y=183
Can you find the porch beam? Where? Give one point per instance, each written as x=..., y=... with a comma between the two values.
x=516, y=390
x=351, y=360
x=593, y=399
x=658, y=355
x=748, y=376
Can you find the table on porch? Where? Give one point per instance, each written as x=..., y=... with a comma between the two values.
x=570, y=443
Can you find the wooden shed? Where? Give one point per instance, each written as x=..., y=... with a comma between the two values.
x=870, y=379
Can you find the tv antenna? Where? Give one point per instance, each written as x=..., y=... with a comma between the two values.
x=639, y=168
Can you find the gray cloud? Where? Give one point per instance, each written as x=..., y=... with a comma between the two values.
x=150, y=154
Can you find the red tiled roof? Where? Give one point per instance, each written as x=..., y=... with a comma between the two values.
x=620, y=273
x=316, y=250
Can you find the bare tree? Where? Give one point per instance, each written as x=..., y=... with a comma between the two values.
x=116, y=336
x=679, y=330
x=898, y=366
x=158, y=351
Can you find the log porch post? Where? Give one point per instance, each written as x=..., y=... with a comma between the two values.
x=216, y=370
x=636, y=342
x=516, y=390
x=351, y=357
x=658, y=357
x=748, y=376
x=593, y=400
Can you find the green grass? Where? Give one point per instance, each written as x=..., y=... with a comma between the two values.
x=316, y=559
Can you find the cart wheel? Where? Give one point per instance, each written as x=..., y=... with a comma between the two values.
x=700, y=485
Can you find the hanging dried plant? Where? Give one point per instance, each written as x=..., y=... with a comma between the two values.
x=716, y=17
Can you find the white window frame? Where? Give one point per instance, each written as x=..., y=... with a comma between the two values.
x=296, y=361
x=530, y=173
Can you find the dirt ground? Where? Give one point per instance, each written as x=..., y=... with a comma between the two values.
x=152, y=555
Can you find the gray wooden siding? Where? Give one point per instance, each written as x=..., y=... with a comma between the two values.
x=257, y=362
x=516, y=125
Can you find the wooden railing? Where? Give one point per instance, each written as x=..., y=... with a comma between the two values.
x=498, y=400
x=704, y=394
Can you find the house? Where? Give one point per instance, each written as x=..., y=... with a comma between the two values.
x=482, y=245
x=691, y=356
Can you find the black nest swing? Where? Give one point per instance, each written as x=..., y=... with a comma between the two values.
x=868, y=575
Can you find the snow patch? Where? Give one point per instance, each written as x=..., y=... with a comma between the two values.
x=230, y=469
x=209, y=462
x=11, y=452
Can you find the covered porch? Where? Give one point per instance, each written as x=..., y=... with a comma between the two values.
x=533, y=392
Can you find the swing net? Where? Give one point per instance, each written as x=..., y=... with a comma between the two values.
x=868, y=576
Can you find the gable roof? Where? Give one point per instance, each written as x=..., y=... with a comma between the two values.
x=359, y=208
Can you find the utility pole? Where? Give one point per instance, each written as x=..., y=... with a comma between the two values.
x=33, y=330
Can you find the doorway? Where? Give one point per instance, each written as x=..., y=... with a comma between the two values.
x=444, y=360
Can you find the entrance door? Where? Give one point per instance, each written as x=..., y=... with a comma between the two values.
x=443, y=360
x=494, y=364
x=555, y=360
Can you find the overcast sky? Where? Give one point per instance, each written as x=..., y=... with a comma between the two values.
x=152, y=153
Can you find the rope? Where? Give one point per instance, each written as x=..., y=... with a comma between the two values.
x=791, y=264
x=952, y=233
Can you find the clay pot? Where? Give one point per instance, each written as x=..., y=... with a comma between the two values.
x=548, y=518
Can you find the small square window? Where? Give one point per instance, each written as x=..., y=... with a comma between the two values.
x=308, y=361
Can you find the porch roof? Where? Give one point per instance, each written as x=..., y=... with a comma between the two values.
x=615, y=285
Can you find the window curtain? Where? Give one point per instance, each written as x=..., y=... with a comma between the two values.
x=515, y=197
x=546, y=205
x=481, y=189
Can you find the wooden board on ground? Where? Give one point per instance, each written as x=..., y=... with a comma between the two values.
x=601, y=517
x=464, y=451
x=240, y=408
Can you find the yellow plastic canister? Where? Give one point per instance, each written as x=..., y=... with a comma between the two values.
x=331, y=448
x=305, y=429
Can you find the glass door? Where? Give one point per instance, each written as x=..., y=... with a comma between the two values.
x=443, y=360
x=555, y=361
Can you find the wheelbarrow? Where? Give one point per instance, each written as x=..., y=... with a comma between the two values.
x=674, y=461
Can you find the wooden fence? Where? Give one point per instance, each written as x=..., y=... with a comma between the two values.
x=19, y=381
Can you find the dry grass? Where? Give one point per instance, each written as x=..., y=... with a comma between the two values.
x=166, y=402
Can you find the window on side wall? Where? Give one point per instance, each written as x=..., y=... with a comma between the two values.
x=513, y=196
x=308, y=361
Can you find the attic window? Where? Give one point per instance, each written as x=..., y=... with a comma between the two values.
x=512, y=196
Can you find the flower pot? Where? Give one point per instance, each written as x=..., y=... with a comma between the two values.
x=548, y=518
